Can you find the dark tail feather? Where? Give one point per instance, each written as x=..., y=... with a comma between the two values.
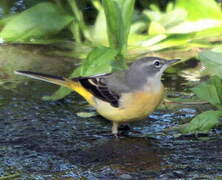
x=45, y=77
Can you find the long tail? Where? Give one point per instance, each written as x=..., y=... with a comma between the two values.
x=72, y=84
x=48, y=78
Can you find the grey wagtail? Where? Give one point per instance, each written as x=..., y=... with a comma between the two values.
x=120, y=97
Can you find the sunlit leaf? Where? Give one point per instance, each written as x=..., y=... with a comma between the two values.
x=217, y=48
x=99, y=30
x=40, y=21
x=114, y=23
x=202, y=123
x=208, y=92
x=127, y=13
x=212, y=61
x=173, y=18
x=156, y=28
x=86, y=114
x=195, y=26
x=174, y=40
x=118, y=18
x=200, y=9
x=99, y=61
x=210, y=33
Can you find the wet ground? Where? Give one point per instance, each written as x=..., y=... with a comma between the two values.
x=43, y=140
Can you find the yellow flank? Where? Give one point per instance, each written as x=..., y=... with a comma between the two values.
x=133, y=107
x=76, y=86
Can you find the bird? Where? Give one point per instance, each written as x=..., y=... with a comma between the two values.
x=121, y=96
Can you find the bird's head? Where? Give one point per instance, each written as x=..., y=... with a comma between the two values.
x=152, y=66
x=148, y=68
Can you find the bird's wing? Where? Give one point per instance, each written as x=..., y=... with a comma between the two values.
x=98, y=86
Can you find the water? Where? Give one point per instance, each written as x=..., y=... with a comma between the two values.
x=47, y=140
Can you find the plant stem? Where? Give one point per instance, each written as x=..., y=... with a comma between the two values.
x=74, y=27
x=79, y=18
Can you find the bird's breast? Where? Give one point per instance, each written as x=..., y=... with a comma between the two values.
x=133, y=106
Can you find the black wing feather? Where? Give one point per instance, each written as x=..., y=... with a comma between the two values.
x=98, y=87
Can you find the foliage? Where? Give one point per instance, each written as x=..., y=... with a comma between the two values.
x=183, y=25
x=40, y=21
x=107, y=59
x=210, y=91
x=203, y=122
x=120, y=31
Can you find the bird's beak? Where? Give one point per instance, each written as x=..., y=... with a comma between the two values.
x=172, y=61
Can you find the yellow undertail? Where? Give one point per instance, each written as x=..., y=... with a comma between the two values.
x=74, y=85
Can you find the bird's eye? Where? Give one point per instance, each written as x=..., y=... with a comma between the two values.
x=157, y=63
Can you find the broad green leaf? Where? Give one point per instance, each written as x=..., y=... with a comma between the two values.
x=40, y=21
x=118, y=18
x=114, y=23
x=207, y=92
x=156, y=28
x=99, y=60
x=166, y=19
x=99, y=29
x=127, y=13
x=217, y=48
x=174, y=40
x=210, y=91
x=59, y=94
x=215, y=32
x=202, y=123
x=152, y=40
x=200, y=9
x=173, y=18
x=212, y=61
x=195, y=26
x=5, y=20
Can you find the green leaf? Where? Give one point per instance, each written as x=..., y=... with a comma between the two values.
x=156, y=28
x=172, y=18
x=200, y=9
x=118, y=18
x=127, y=13
x=114, y=23
x=59, y=94
x=202, y=123
x=99, y=29
x=174, y=40
x=40, y=21
x=99, y=61
x=212, y=61
x=208, y=92
x=209, y=33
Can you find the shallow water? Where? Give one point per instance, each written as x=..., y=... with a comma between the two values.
x=47, y=140
x=44, y=140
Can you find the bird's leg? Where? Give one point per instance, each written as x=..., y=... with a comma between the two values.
x=115, y=129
